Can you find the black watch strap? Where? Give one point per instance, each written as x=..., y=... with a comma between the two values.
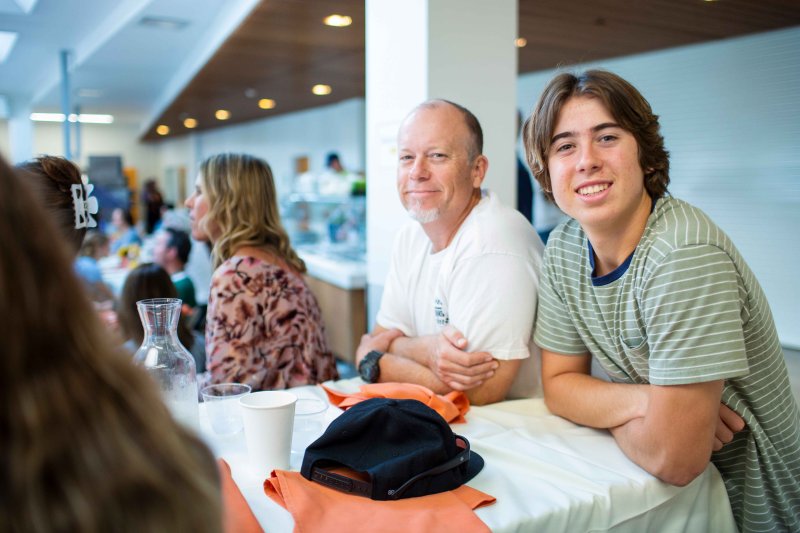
x=369, y=368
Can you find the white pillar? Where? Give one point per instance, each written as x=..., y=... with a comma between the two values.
x=460, y=50
x=20, y=133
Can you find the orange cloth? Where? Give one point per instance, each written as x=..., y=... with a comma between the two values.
x=452, y=406
x=319, y=508
x=237, y=517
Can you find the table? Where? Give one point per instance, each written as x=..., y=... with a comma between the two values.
x=547, y=474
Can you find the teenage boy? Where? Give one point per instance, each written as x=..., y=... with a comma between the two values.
x=657, y=293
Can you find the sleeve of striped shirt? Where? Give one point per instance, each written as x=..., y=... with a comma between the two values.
x=554, y=327
x=692, y=306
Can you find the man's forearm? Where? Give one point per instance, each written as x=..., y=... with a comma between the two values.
x=396, y=368
x=592, y=402
x=648, y=449
x=674, y=440
x=417, y=349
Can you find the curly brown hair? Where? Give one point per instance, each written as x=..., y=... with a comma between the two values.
x=625, y=103
x=51, y=178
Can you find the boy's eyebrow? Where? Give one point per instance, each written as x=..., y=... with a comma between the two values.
x=595, y=129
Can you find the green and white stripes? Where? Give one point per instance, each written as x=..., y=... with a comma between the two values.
x=687, y=310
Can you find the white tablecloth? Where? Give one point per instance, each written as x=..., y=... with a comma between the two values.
x=547, y=475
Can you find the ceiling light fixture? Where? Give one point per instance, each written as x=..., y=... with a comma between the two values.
x=164, y=23
x=321, y=89
x=521, y=42
x=266, y=103
x=222, y=114
x=337, y=21
x=162, y=129
x=84, y=118
x=250, y=92
x=190, y=123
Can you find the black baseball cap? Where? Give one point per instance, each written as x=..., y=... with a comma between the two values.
x=403, y=447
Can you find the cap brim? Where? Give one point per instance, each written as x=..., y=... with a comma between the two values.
x=474, y=466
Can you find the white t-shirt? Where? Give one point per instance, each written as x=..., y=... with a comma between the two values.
x=484, y=283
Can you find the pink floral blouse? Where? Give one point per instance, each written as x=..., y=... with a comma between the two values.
x=264, y=328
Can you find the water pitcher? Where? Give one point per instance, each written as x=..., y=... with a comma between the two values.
x=167, y=360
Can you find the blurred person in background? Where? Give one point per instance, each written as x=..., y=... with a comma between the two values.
x=171, y=249
x=153, y=202
x=146, y=281
x=264, y=326
x=89, y=445
x=95, y=246
x=124, y=233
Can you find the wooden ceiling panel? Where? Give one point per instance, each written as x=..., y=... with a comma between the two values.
x=282, y=48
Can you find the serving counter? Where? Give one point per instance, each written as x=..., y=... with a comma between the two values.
x=338, y=278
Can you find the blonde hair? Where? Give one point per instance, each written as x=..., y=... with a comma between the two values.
x=243, y=208
x=89, y=444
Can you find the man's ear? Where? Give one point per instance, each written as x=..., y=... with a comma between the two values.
x=479, y=169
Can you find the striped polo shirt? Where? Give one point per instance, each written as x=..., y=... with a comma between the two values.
x=686, y=308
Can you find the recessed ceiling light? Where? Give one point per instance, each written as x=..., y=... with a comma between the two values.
x=190, y=123
x=250, y=92
x=222, y=114
x=162, y=129
x=7, y=40
x=521, y=42
x=266, y=103
x=321, y=89
x=164, y=23
x=337, y=21
x=85, y=118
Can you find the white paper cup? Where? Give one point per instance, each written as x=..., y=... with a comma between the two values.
x=268, y=422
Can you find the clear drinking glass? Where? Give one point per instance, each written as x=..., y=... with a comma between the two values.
x=309, y=418
x=169, y=363
x=222, y=406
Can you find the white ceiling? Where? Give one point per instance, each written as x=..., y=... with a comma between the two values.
x=132, y=71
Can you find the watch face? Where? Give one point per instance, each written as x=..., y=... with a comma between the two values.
x=369, y=368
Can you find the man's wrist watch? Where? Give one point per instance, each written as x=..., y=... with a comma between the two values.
x=369, y=368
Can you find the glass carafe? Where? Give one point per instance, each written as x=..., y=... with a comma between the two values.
x=169, y=363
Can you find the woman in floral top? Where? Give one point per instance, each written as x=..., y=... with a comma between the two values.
x=263, y=326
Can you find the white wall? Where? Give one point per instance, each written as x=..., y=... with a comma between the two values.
x=100, y=139
x=96, y=139
x=730, y=116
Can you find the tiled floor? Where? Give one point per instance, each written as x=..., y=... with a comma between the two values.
x=793, y=364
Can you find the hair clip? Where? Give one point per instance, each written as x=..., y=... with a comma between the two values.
x=84, y=203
